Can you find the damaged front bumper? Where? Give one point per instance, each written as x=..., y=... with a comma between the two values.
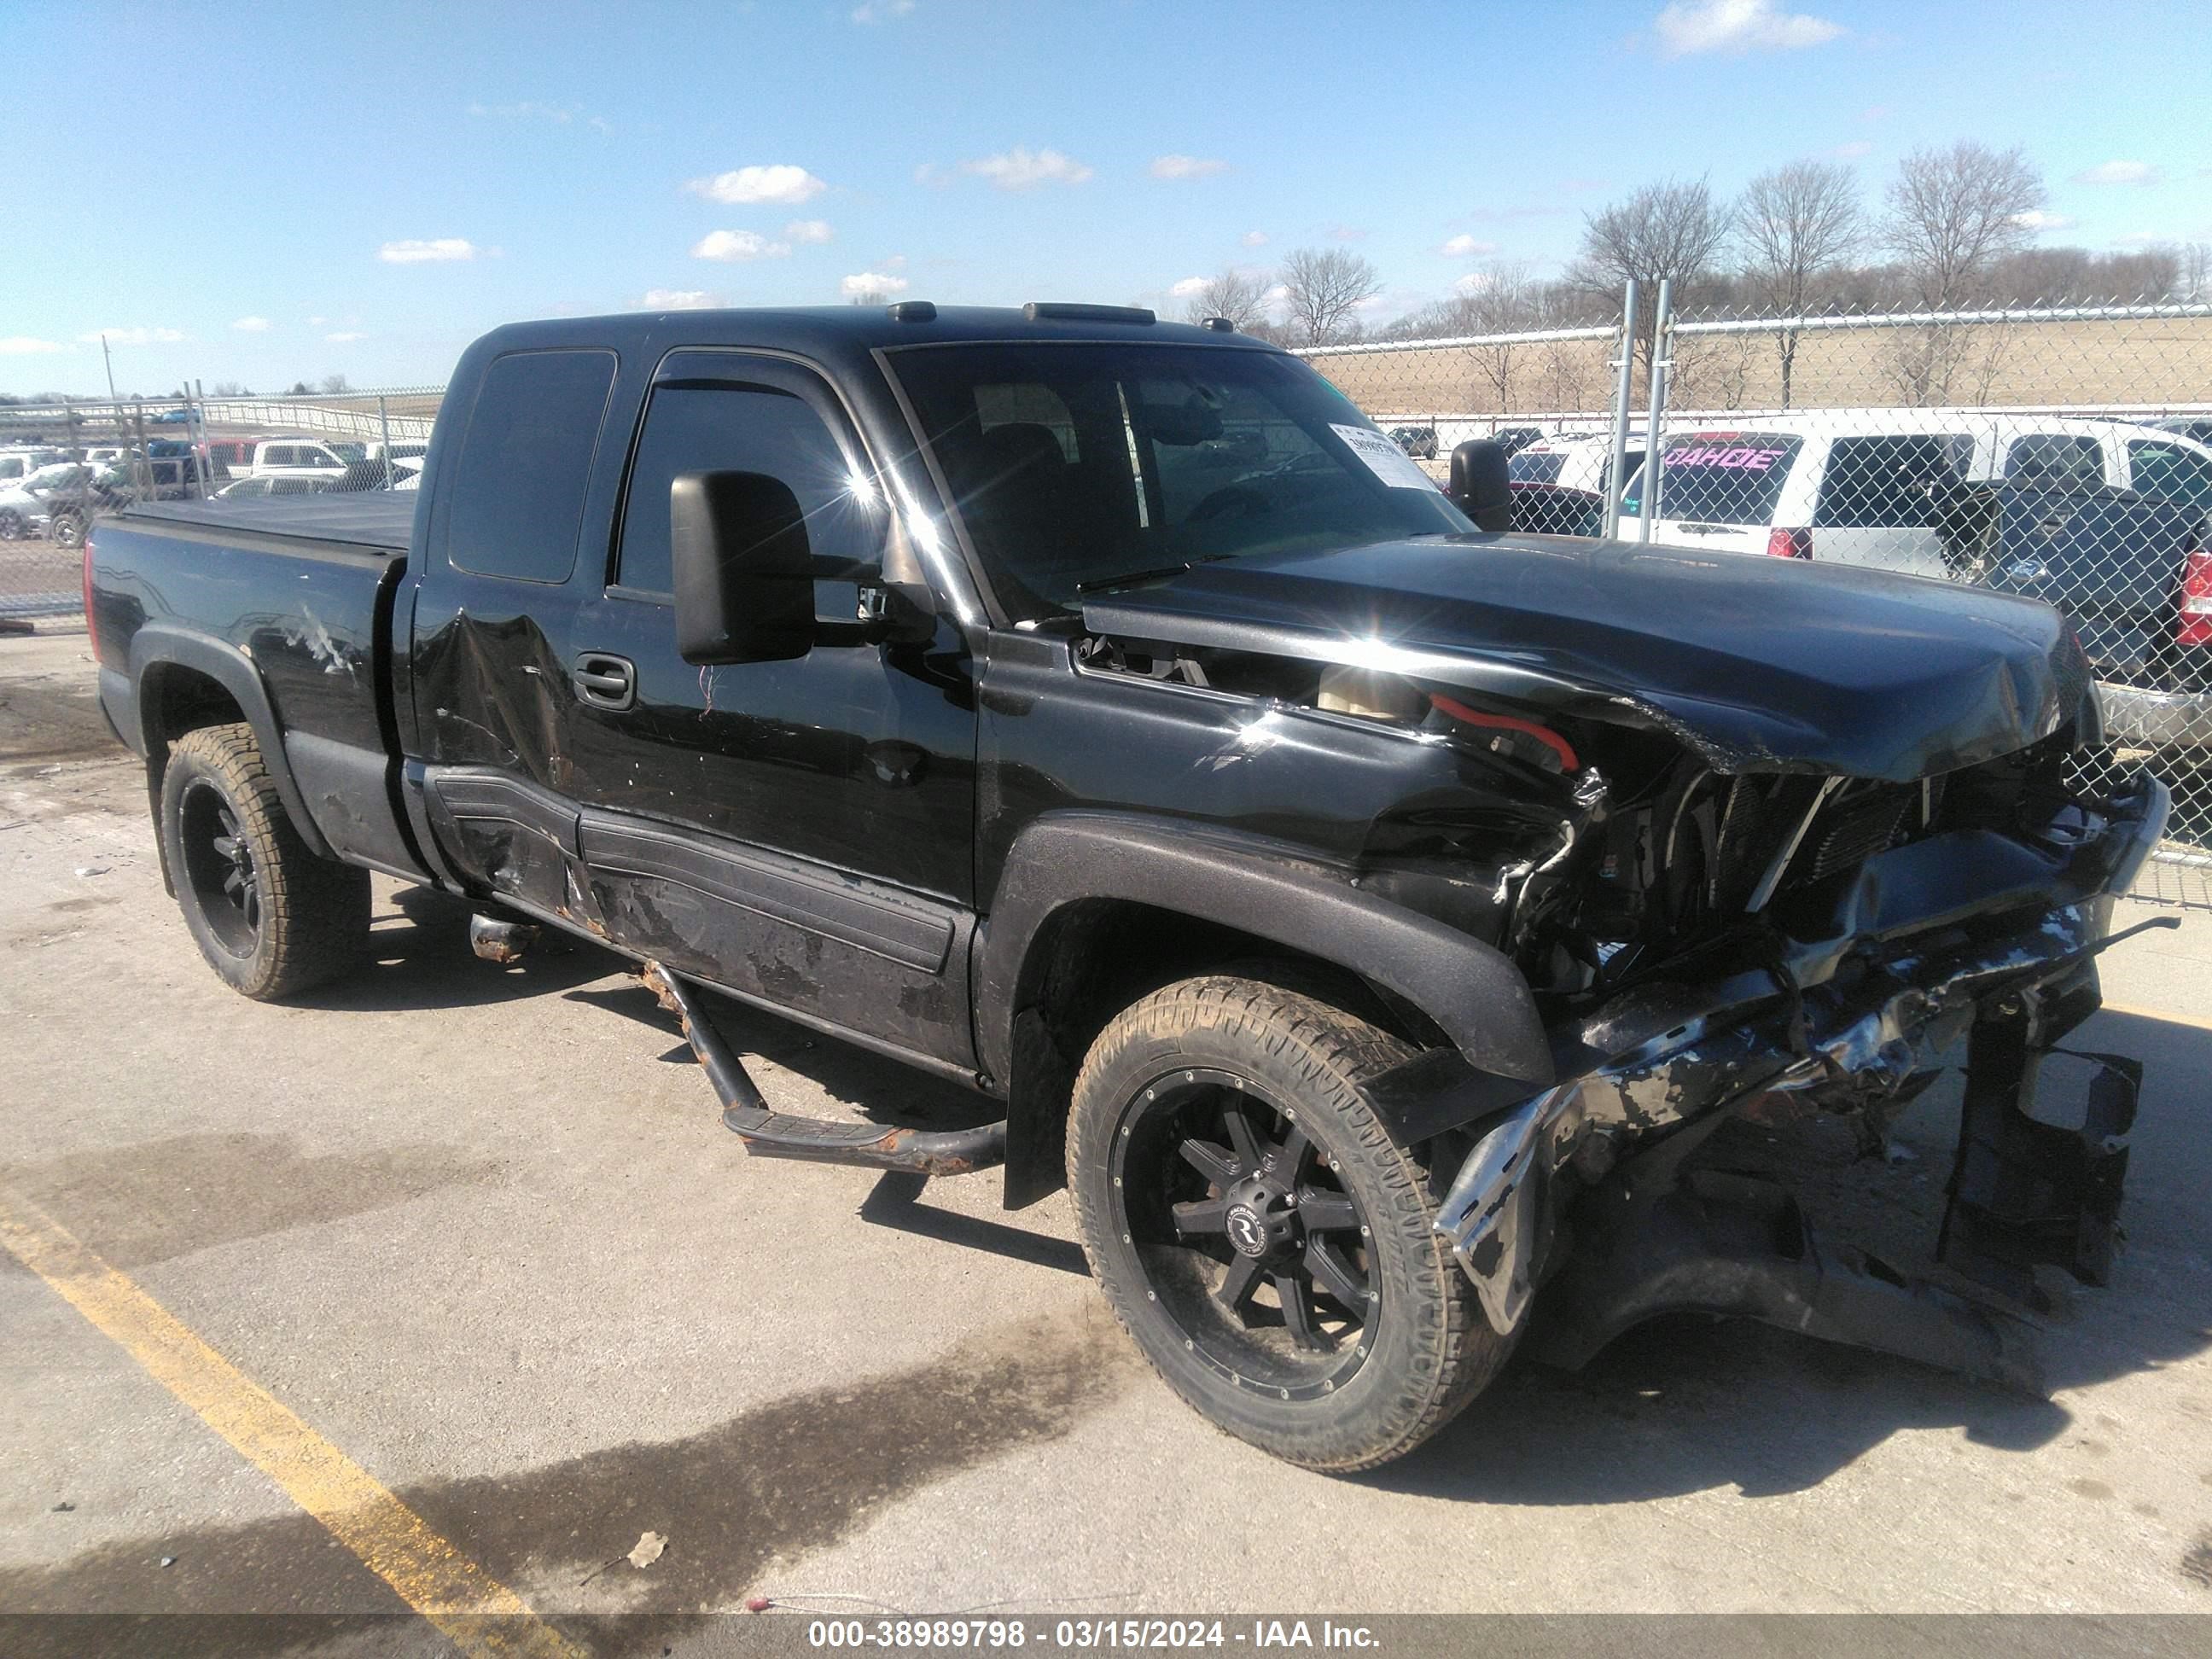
x=1969, y=933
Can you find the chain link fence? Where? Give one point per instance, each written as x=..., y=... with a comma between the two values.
x=2064, y=453
x=64, y=465
x=2061, y=454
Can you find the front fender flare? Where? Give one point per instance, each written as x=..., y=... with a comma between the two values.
x=157, y=645
x=1471, y=990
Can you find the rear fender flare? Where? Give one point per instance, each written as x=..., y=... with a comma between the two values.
x=156, y=647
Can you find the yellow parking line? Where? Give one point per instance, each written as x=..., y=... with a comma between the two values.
x=478, y=1613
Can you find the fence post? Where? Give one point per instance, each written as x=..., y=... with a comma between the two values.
x=1615, y=481
x=1661, y=361
x=383, y=420
x=141, y=468
x=203, y=458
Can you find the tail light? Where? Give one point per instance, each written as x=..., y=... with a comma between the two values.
x=91, y=629
x=1789, y=544
x=2194, y=625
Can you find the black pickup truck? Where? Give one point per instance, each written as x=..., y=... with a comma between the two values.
x=1371, y=918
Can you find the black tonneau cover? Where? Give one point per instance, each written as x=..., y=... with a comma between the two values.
x=378, y=518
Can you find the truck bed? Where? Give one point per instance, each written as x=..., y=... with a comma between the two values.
x=377, y=520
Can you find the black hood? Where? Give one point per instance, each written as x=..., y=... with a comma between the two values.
x=1762, y=664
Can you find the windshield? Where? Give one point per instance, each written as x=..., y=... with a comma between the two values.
x=59, y=475
x=2169, y=472
x=1073, y=465
x=350, y=451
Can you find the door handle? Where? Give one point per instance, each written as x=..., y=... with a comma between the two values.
x=604, y=681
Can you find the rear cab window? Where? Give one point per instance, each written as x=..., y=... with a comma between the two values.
x=1532, y=466
x=1725, y=477
x=2052, y=460
x=2167, y=472
x=524, y=463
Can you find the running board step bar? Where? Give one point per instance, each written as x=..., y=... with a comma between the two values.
x=768, y=1132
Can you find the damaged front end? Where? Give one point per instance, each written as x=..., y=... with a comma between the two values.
x=1846, y=999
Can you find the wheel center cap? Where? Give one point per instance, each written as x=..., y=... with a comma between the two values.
x=1246, y=1231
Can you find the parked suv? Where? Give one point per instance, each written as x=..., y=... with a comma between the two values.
x=300, y=458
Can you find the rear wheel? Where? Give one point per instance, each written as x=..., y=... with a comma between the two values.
x=66, y=527
x=11, y=525
x=270, y=916
x=1260, y=1235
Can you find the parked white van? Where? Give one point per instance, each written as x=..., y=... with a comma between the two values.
x=1880, y=486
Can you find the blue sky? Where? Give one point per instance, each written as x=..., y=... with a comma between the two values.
x=263, y=194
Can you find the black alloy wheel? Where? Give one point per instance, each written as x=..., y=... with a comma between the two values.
x=1257, y=1252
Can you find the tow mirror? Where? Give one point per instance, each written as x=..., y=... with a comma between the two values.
x=744, y=575
x=1481, y=488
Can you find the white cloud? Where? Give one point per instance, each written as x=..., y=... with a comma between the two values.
x=251, y=325
x=871, y=281
x=1690, y=26
x=443, y=249
x=896, y=262
x=932, y=175
x=2038, y=219
x=1472, y=283
x=809, y=230
x=744, y=186
x=1853, y=151
x=1467, y=248
x=1277, y=295
x=2142, y=239
x=347, y=338
x=600, y=123
x=2118, y=173
x=876, y=11
x=22, y=345
x=1185, y=166
x=133, y=337
x=1189, y=288
x=679, y=298
x=735, y=246
x=1349, y=233
x=1020, y=169
x=1253, y=239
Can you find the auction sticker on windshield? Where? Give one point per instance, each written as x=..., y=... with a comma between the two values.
x=1384, y=458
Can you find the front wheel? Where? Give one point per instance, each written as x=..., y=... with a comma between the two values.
x=11, y=525
x=270, y=917
x=1258, y=1232
x=67, y=530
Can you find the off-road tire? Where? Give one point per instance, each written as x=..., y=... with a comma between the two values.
x=1432, y=1349
x=311, y=917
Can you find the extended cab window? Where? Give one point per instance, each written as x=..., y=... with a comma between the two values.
x=525, y=462
x=698, y=425
x=1894, y=481
x=1074, y=466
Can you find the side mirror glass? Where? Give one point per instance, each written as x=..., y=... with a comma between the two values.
x=744, y=575
x=1481, y=487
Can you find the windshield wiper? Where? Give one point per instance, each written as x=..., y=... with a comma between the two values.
x=1130, y=576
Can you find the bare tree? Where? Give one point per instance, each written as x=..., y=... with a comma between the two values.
x=1954, y=213
x=1501, y=298
x=871, y=296
x=1672, y=228
x=334, y=383
x=1239, y=295
x=1800, y=225
x=2195, y=281
x=1323, y=290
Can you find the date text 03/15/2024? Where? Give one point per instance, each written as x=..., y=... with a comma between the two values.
x=1087, y=1634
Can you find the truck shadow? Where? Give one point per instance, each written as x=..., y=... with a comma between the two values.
x=419, y=959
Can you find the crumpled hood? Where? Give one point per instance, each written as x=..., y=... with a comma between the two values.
x=1762, y=664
